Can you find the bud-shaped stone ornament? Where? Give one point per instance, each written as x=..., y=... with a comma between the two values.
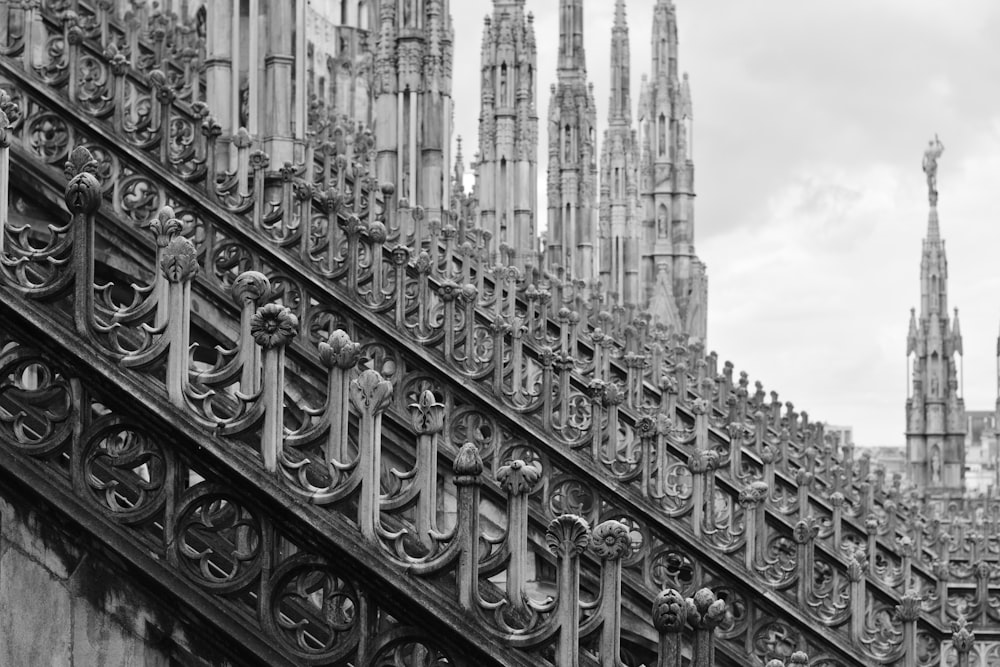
x=164, y=226
x=704, y=610
x=427, y=415
x=614, y=394
x=339, y=351
x=179, y=261
x=273, y=325
x=669, y=611
x=370, y=393
x=468, y=465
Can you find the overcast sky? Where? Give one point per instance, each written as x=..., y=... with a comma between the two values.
x=810, y=123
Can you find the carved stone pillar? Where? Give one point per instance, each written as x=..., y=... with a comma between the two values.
x=279, y=60
x=704, y=613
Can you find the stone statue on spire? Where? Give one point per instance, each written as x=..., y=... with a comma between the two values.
x=934, y=150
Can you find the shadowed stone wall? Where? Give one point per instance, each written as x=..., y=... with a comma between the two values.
x=64, y=602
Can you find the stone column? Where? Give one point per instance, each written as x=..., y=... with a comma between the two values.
x=278, y=71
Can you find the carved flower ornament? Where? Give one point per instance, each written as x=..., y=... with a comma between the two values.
x=273, y=325
x=611, y=540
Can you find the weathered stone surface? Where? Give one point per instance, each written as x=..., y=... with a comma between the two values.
x=98, y=639
x=46, y=544
x=35, y=614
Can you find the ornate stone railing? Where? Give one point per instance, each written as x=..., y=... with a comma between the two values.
x=162, y=228
x=220, y=541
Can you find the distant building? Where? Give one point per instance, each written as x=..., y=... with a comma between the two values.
x=981, y=452
x=891, y=458
x=839, y=436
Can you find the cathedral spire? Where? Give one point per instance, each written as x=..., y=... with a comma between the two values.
x=620, y=105
x=506, y=173
x=664, y=42
x=936, y=422
x=458, y=177
x=413, y=104
x=572, y=179
x=618, y=228
x=571, y=53
x=671, y=272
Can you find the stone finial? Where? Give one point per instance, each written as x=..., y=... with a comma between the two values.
x=448, y=290
x=704, y=610
x=468, y=465
x=669, y=611
x=805, y=530
x=164, y=226
x=250, y=286
x=703, y=461
x=857, y=564
x=752, y=494
x=908, y=608
x=273, y=325
x=427, y=414
x=962, y=636
x=83, y=193
x=611, y=540
x=10, y=108
x=4, y=130
x=567, y=535
x=517, y=477
x=179, y=261
x=798, y=659
x=339, y=351
x=370, y=392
